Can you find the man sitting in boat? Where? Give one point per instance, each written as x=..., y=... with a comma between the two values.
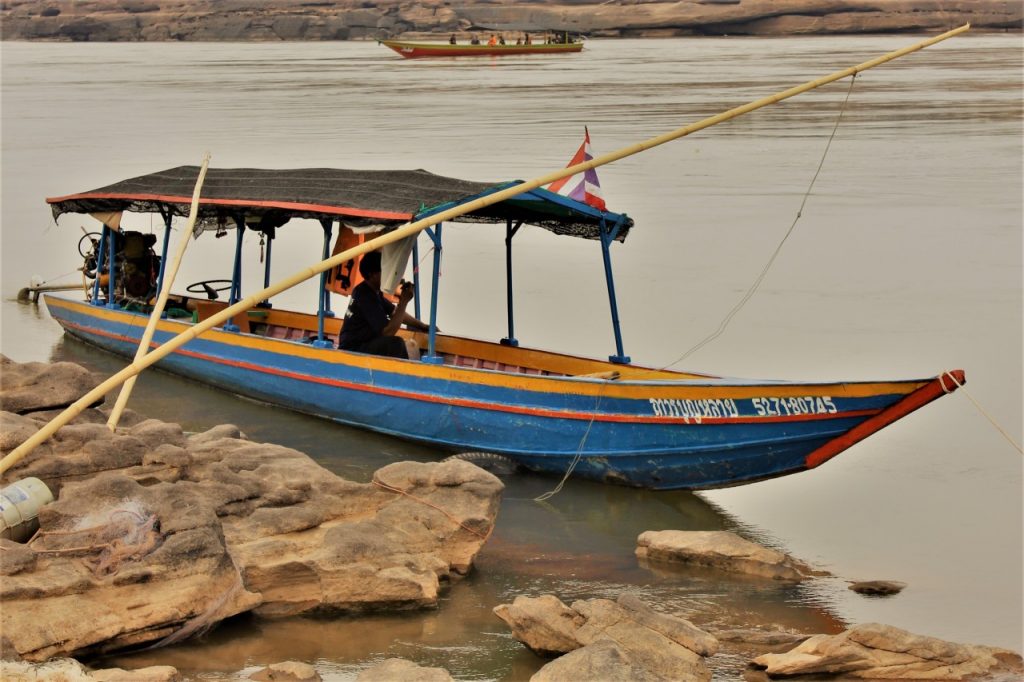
x=493, y=41
x=452, y=41
x=372, y=321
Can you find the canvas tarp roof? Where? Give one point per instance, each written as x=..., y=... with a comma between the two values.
x=359, y=198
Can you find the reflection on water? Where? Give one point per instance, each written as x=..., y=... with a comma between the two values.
x=907, y=261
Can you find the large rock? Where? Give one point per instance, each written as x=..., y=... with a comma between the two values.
x=287, y=671
x=544, y=624
x=117, y=565
x=406, y=671
x=873, y=651
x=154, y=673
x=604, y=660
x=878, y=588
x=34, y=386
x=156, y=535
x=721, y=550
x=608, y=640
x=70, y=670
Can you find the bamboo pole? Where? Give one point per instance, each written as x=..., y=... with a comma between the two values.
x=161, y=301
x=413, y=228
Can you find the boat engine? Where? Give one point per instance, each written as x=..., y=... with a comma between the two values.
x=136, y=266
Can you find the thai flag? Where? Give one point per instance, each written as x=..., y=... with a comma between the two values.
x=588, y=190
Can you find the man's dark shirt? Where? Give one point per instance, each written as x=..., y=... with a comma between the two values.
x=368, y=313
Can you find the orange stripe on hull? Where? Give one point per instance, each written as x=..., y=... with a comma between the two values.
x=473, y=404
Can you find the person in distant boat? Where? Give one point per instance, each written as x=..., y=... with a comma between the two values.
x=372, y=322
x=493, y=41
x=474, y=40
x=519, y=41
x=452, y=41
x=526, y=39
x=501, y=40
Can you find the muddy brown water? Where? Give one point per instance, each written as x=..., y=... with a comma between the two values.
x=906, y=262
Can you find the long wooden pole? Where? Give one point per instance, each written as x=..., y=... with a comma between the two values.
x=161, y=301
x=413, y=228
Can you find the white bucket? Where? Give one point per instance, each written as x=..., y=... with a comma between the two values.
x=19, y=508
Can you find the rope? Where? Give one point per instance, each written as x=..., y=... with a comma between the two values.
x=393, y=489
x=764, y=271
x=203, y=621
x=981, y=409
x=47, y=281
x=575, y=460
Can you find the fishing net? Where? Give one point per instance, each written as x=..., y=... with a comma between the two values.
x=106, y=540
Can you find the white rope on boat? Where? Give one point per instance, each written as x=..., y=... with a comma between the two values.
x=771, y=261
x=575, y=460
x=981, y=409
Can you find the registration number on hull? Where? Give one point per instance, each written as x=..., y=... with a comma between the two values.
x=719, y=408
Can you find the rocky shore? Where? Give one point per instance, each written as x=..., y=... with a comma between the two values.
x=155, y=535
x=272, y=20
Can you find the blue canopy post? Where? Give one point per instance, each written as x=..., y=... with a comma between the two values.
x=111, y=267
x=432, y=357
x=236, y=272
x=324, y=300
x=608, y=235
x=510, y=231
x=163, y=253
x=270, y=233
x=100, y=264
x=416, y=274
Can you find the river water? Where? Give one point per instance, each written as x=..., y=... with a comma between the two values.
x=906, y=262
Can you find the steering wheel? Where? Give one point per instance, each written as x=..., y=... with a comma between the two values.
x=93, y=239
x=206, y=286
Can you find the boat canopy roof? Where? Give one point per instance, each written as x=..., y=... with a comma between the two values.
x=359, y=198
x=524, y=26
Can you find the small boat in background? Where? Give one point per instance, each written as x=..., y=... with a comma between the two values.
x=411, y=50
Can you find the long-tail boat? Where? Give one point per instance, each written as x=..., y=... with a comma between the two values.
x=609, y=420
x=414, y=50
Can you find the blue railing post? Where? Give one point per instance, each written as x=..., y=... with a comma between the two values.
x=266, y=268
x=163, y=255
x=323, y=303
x=100, y=264
x=416, y=274
x=328, y=235
x=607, y=237
x=432, y=356
x=510, y=232
x=112, y=267
x=236, y=272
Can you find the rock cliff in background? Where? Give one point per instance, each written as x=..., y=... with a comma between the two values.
x=156, y=535
x=139, y=20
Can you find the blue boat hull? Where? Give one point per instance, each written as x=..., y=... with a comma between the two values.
x=660, y=434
